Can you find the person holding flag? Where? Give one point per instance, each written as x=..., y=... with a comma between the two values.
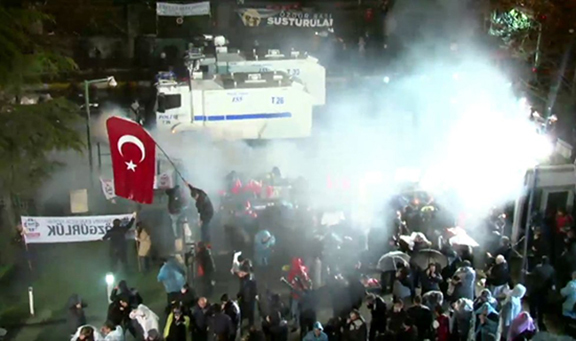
x=117, y=237
x=205, y=212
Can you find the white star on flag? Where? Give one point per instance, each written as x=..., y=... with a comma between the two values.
x=131, y=166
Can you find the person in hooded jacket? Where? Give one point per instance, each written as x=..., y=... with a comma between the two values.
x=76, y=315
x=177, y=326
x=231, y=308
x=499, y=277
x=462, y=319
x=465, y=282
x=186, y=299
x=379, y=312
x=275, y=328
x=433, y=299
x=485, y=297
x=522, y=328
x=568, y=311
x=264, y=243
x=172, y=276
x=511, y=307
x=220, y=324
x=316, y=334
x=119, y=312
x=487, y=323
x=143, y=320
x=205, y=211
x=118, y=246
x=87, y=333
x=403, y=286
x=206, y=269
x=122, y=289
x=396, y=319
x=421, y=317
x=298, y=278
x=355, y=328
x=112, y=332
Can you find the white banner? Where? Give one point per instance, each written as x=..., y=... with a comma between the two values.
x=70, y=229
x=165, y=9
x=162, y=181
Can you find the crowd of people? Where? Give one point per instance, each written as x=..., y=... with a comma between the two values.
x=413, y=289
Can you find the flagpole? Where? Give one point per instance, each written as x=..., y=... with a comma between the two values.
x=171, y=162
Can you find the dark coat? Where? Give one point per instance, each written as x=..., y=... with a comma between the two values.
x=199, y=321
x=248, y=290
x=203, y=205
x=233, y=311
x=187, y=300
x=76, y=316
x=133, y=296
x=117, y=235
x=430, y=283
x=221, y=326
x=117, y=314
x=356, y=330
x=421, y=316
x=204, y=259
x=379, y=313
x=276, y=329
x=499, y=275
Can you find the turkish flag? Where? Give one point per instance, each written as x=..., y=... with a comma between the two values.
x=133, y=153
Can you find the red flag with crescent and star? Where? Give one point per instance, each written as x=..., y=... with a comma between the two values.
x=133, y=153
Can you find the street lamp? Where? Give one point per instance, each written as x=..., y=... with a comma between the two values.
x=112, y=83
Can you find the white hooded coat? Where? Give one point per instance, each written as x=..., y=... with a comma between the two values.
x=97, y=335
x=147, y=319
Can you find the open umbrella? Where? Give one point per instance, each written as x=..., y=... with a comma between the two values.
x=424, y=257
x=389, y=261
x=463, y=240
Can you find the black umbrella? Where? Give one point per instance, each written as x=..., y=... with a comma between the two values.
x=389, y=261
x=425, y=257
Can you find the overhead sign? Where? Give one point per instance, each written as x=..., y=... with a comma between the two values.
x=259, y=17
x=70, y=229
x=165, y=9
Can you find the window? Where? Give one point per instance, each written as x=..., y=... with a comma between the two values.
x=167, y=102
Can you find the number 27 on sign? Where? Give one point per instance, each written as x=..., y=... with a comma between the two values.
x=277, y=100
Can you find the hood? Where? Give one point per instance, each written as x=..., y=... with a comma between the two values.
x=297, y=263
x=519, y=291
x=318, y=325
x=486, y=293
x=486, y=309
x=464, y=305
x=262, y=235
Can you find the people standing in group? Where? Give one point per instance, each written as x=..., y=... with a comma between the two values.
x=231, y=308
x=248, y=293
x=378, y=311
x=430, y=280
x=199, y=321
x=205, y=212
x=118, y=243
x=422, y=317
x=122, y=290
x=220, y=325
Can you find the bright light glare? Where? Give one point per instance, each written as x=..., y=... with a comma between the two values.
x=109, y=279
x=386, y=79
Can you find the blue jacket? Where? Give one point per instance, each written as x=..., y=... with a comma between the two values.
x=489, y=330
x=569, y=293
x=172, y=276
x=512, y=307
x=263, y=250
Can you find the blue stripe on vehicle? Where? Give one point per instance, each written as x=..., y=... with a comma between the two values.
x=243, y=117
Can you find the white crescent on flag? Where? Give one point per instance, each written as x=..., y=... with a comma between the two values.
x=131, y=139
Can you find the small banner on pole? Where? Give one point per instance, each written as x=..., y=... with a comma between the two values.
x=165, y=9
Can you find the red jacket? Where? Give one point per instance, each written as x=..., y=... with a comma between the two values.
x=443, y=330
x=298, y=277
x=563, y=221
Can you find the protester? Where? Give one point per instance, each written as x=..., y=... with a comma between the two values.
x=403, y=286
x=462, y=319
x=485, y=297
x=433, y=299
x=231, y=308
x=541, y=281
x=205, y=212
x=220, y=325
x=119, y=312
x=177, y=327
x=522, y=328
x=118, y=244
x=422, y=317
x=112, y=332
x=396, y=319
x=248, y=294
x=316, y=334
x=186, y=299
x=173, y=278
x=499, y=277
x=355, y=328
x=378, y=311
x=464, y=282
x=143, y=320
x=568, y=311
x=154, y=335
x=76, y=315
x=511, y=307
x=144, y=246
x=122, y=289
x=275, y=327
x=298, y=278
x=199, y=321
x=430, y=280
x=487, y=323
x=87, y=333
x=441, y=324
x=264, y=241
x=205, y=269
